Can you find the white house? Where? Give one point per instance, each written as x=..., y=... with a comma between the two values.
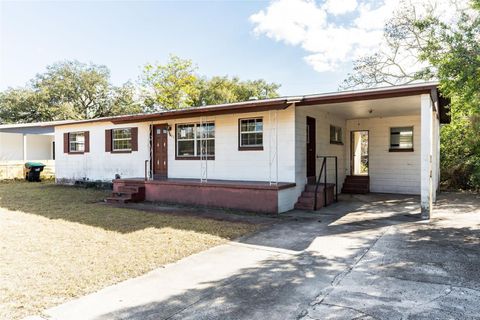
x=20, y=143
x=265, y=155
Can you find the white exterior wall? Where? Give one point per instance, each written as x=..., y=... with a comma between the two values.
x=11, y=146
x=98, y=164
x=229, y=163
x=232, y=164
x=39, y=147
x=390, y=172
x=323, y=146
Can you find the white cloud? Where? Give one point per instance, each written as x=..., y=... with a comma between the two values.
x=338, y=7
x=289, y=20
x=322, y=29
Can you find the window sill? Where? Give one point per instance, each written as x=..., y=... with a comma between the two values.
x=121, y=151
x=193, y=158
x=76, y=152
x=400, y=150
x=337, y=142
x=260, y=148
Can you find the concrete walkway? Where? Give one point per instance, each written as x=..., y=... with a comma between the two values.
x=366, y=257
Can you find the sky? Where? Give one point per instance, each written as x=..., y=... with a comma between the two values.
x=306, y=46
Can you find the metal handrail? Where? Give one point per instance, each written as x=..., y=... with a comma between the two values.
x=324, y=164
x=146, y=170
x=324, y=168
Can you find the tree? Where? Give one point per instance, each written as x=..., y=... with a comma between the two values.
x=176, y=85
x=68, y=90
x=218, y=90
x=169, y=86
x=454, y=50
x=437, y=49
x=399, y=59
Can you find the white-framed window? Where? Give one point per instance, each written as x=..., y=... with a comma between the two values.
x=122, y=139
x=194, y=140
x=401, y=139
x=250, y=133
x=336, y=135
x=76, y=142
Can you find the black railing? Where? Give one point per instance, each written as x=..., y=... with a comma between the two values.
x=324, y=171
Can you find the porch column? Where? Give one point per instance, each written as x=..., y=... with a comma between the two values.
x=24, y=147
x=437, y=150
x=426, y=155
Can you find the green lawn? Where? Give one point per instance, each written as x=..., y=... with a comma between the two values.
x=60, y=242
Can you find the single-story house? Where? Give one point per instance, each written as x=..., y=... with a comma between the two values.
x=265, y=155
x=24, y=142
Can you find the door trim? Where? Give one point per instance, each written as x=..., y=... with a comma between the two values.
x=352, y=169
x=155, y=173
x=308, y=139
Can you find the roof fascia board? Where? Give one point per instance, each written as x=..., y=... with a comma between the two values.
x=365, y=95
x=192, y=113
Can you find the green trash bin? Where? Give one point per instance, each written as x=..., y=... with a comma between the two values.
x=32, y=171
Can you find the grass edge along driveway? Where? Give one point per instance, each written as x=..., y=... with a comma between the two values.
x=59, y=242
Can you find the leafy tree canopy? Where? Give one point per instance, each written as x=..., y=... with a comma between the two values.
x=176, y=85
x=67, y=90
x=422, y=45
x=75, y=90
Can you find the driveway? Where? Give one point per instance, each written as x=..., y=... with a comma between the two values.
x=365, y=257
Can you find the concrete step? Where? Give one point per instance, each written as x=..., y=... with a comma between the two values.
x=301, y=206
x=132, y=193
x=311, y=194
x=355, y=190
x=311, y=187
x=128, y=189
x=306, y=201
x=131, y=188
x=356, y=185
x=357, y=178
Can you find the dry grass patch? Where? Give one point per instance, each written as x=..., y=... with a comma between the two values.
x=58, y=242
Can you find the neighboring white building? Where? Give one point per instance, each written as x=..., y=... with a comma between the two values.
x=20, y=143
x=262, y=154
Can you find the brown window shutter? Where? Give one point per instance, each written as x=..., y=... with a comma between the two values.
x=134, y=139
x=65, y=142
x=108, y=140
x=87, y=141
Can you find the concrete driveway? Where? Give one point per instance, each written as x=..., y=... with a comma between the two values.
x=366, y=257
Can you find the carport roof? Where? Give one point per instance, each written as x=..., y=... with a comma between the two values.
x=285, y=102
x=33, y=128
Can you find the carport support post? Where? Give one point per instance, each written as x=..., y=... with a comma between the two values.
x=24, y=147
x=426, y=155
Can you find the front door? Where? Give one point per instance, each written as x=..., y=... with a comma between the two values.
x=311, y=147
x=160, y=148
x=359, y=153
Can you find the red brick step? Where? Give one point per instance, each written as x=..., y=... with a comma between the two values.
x=127, y=193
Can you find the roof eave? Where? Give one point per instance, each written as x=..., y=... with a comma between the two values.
x=366, y=95
x=205, y=112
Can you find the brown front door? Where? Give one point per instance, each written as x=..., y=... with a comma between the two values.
x=311, y=147
x=160, y=148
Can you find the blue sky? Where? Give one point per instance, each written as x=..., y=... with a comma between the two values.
x=250, y=39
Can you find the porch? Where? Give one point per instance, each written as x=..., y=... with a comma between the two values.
x=384, y=143
x=258, y=196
